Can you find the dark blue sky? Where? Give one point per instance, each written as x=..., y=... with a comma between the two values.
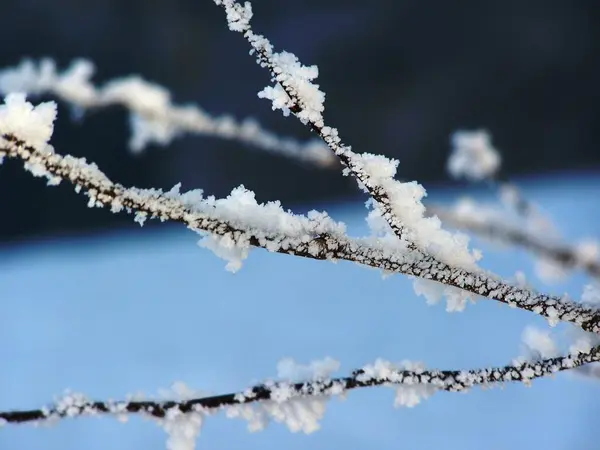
x=400, y=77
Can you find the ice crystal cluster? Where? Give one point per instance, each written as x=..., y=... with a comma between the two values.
x=406, y=238
x=473, y=156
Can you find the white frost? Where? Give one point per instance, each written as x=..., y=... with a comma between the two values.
x=298, y=412
x=591, y=295
x=154, y=118
x=28, y=123
x=406, y=204
x=297, y=78
x=290, y=370
x=182, y=429
x=473, y=156
x=433, y=291
x=410, y=392
x=538, y=344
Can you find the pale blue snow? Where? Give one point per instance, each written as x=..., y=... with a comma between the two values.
x=139, y=309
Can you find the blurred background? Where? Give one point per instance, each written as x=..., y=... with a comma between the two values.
x=400, y=77
x=88, y=301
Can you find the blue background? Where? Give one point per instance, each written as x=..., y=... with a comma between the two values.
x=137, y=309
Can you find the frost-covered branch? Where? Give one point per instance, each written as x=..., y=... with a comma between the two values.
x=519, y=222
x=237, y=223
x=398, y=203
x=474, y=158
x=154, y=117
x=412, y=384
x=404, y=238
x=315, y=237
x=474, y=220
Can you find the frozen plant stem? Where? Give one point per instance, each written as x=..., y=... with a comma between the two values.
x=324, y=242
x=309, y=113
x=473, y=157
x=303, y=98
x=408, y=243
x=154, y=117
x=446, y=380
x=564, y=255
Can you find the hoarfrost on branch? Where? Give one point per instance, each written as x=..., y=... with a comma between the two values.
x=405, y=238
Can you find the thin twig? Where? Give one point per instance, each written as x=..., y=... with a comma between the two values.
x=347, y=157
x=565, y=255
x=447, y=380
x=154, y=117
x=322, y=245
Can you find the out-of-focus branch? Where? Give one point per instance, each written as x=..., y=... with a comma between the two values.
x=154, y=117
x=474, y=158
x=566, y=256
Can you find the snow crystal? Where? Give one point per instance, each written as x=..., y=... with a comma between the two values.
x=28, y=123
x=256, y=416
x=71, y=404
x=290, y=75
x=406, y=204
x=588, y=251
x=583, y=344
x=550, y=271
x=591, y=295
x=552, y=316
x=411, y=395
x=289, y=370
x=509, y=195
x=409, y=391
x=521, y=280
x=278, y=97
x=538, y=344
x=378, y=167
x=238, y=16
x=583, y=341
x=240, y=209
x=183, y=429
x=225, y=247
x=181, y=391
x=75, y=83
x=473, y=156
x=293, y=76
x=434, y=291
x=34, y=79
x=28, y=78
x=138, y=93
x=298, y=412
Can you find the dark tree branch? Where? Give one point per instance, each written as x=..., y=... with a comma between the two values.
x=155, y=204
x=447, y=380
x=346, y=156
x=564, y=255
